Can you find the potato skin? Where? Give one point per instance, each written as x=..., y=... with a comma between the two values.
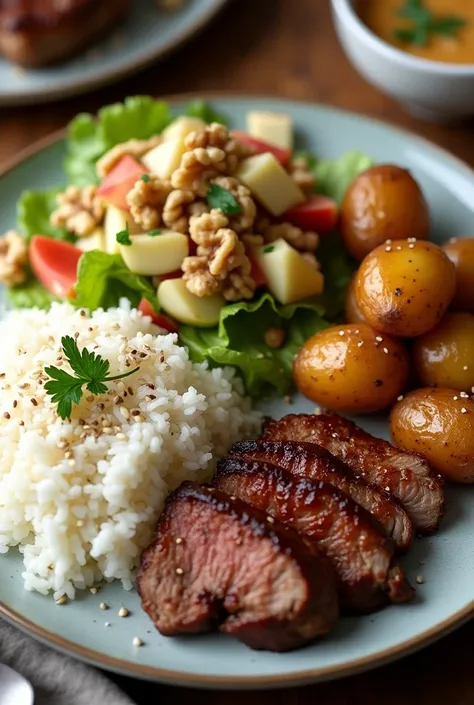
x=351, y=369
x=383, y=202
x=352, y=312
x=404, y=289
x=461, y=253
x=444, y=357
x=432, y=422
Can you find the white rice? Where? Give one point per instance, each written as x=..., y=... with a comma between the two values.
x=82, y=504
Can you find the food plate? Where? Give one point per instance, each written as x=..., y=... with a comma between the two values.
x=445, y=597
x=147, y=35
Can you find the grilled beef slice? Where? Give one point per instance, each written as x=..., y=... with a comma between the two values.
x=406, y=476
x=314, y=462
x=37, y=33
x=362, y=555
x=216, y=561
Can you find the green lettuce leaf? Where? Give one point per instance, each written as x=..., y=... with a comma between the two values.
x=138, y=117
x=33, y=211
x=102, y=280
x=239, y=341
x=205, y=111
x=333, y=176
x=31, y=294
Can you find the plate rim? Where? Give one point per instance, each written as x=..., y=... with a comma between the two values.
x=64, y=88
x=182, y=678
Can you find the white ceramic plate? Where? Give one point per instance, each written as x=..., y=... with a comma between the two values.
x=446, y=560
x=147, y=35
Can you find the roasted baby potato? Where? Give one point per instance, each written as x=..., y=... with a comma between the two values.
x=352, y=369
x=404, y=289
x=352, y=312
x=461, y=253
x=439, y=424
x=382, y=203
x=444, y=357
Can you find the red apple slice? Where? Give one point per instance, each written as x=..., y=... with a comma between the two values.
x=283, y=155
x=318, y=213
x=118, y=182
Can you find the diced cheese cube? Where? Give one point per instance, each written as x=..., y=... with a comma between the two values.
x=161, y=161
x=95, y=241
x=289, y=276
x=276, y=128
x=270, y=183
x=187, y=308
x=182, y=126
x=116, y=220
x=155, y=255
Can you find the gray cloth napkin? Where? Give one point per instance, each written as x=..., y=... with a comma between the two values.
x=56, y=679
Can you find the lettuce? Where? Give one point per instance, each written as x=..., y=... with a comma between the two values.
x=205, y=111
x=33, y=211
x=238, y=340
x=102, y=280
x=333, y=176
x=31, y=294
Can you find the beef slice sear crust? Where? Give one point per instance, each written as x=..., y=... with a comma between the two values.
x=316, y=463
x=217, y=562
x=362, y=555
x=406, y=476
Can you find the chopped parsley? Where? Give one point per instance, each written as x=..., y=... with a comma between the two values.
x=145, y=178
x=426, y=23
x=123, y=237
x=268, y=248
x=218, y=197
x=154, y=233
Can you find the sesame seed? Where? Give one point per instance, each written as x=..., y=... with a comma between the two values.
x=270, y=520
x=411, y=246
x=387, y=489
x=106, y=429
x=62, y=444
x=385, y=351
x=25, y=385
x=464, y=395
x=123, y=612
x=465, y=368
x=464, y=410
x=360, y=343
x=378, y=338
x=412, y=239
x=2, y=375
x=61, y=600
x=130, y=390
x=138, y=418
x=455, y=398
x=34, y=402
x=125, y=412
x=106, y=624
x=22, y=423
x=93, y=590
x=179, y=571
x=388, y=242
x=6, y=415
x=135, y=412
x=334, y=435
x=71, y=462
x=388, y=249
x=341, y=332
x=400, y=398
x=68, y=454
x=419, y=579
x=79, y=523
x=15, y=403
x=121, y=436
x=179, y=540
x=137, y=641
x=232, y=497
x=103, y=606
x=398, y=248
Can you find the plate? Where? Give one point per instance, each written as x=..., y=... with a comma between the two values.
x=444, y=600
x=147, y=35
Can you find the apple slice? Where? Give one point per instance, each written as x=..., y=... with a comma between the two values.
x=185, y=307
x=118, y=182
x=117, y=220
x=260, y=146
x=182, y=126
x=270, y=183
x=163, y=160
x=276, y=128
x=155, y=255
x=289, y=276
x=318, y=213
x=94, y=241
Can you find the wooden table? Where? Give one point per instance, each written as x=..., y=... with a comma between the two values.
x=286, y=48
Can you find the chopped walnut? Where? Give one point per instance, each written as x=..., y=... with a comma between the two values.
x=80, y=211
x=221, y=263
x=133, y=148
x=248, y=210
x=209, y=152
x=13, y=255
x=301, y=174
x=252, y=239
x=146, y=201
x=306, y=241
x=179, y=206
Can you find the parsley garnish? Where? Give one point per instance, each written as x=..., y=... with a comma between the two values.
x=145, y=178
x=154, y=233
x=123, y=237
x=90, y=370
x=218, y=197
x=425, y=22
x=268, y=248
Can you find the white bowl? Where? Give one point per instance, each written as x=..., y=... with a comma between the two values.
x=430, y=90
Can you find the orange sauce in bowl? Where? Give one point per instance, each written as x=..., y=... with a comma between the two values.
x=381, y=16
